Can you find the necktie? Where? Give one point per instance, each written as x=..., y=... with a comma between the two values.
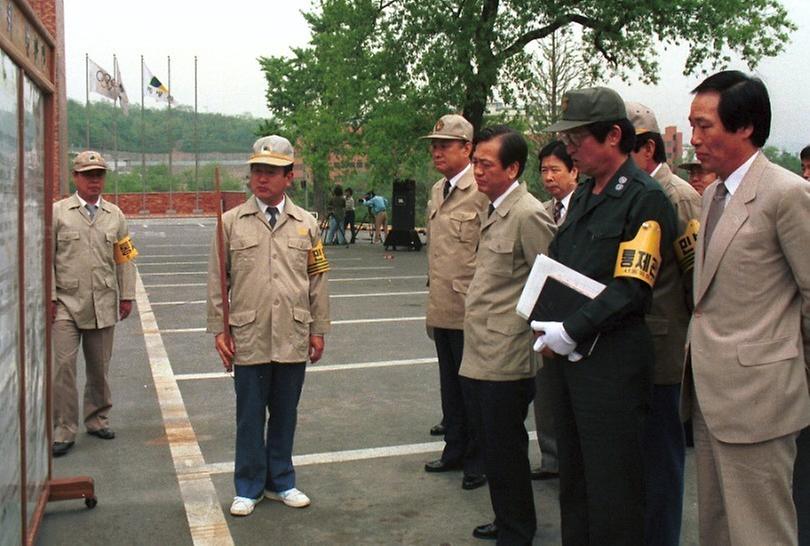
x=491, y=210
x=91, y=210
x=447, y=188
x=272, y=213
x=715, y=212
x=558, y=206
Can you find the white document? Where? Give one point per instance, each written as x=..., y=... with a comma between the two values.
x=545, y=267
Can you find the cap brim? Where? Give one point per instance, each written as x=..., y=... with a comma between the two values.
x=689, y=165
x=435, y=136
x=565, y=125
x=90, y=168
x=270, y=161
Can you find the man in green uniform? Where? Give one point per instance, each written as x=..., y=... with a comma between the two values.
x=600, y=398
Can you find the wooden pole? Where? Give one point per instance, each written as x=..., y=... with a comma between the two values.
x=223, y=285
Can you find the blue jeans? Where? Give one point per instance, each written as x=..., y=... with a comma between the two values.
x=664, y=453
x=264, y=460
x=335, y=233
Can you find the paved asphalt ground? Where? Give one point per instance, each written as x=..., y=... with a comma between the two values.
x=362, y=436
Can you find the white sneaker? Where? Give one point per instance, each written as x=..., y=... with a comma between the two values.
x=243, y=506
x=291, y=497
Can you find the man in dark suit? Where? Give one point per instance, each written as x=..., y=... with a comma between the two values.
x=745, y=380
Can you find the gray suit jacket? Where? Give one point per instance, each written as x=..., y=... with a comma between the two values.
x=750, y=332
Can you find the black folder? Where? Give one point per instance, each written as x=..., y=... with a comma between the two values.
x=556, y=302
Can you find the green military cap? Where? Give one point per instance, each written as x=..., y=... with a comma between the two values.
x=272, y=150
x=89, y=161
x=452, y=127
x=584, y=106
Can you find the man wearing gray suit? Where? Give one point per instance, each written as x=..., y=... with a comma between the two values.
x=559, y=177
x=745, y=380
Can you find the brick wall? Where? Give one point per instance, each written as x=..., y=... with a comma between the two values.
x=184, y=203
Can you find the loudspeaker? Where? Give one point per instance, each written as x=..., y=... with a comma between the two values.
x=403, y=205
x=403, y=217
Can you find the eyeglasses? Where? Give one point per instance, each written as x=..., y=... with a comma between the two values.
x=573, y=138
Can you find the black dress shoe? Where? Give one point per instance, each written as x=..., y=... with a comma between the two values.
x=438, y=430
x=473, y=481
x=441, y=466
x=103, y=433
x=538, y=474
x=61, y=448
x=488, y=531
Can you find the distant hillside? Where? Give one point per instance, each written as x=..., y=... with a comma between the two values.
x=216, y=132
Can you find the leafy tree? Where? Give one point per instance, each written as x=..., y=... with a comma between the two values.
x=215, y=132
x=377, y=73
x=786, y=159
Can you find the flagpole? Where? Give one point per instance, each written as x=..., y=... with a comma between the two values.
x=197, y=209
x=170, y=210
x=87, y=100
x=115, y=127
x=144, y=211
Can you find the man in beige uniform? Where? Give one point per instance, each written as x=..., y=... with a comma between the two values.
x=668, y=319
x=454, y=225
x=275, y=272
x=93, y=287
x=496, y=369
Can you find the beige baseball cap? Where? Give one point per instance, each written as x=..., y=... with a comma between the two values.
x=642, y=118
x=89, y=161
x=272, y=150
x=452, y=127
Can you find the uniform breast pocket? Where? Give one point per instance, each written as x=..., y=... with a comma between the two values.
x=500, y=258
x=243, y=252
x=110, y=239
x=465, y=225
x=67, y=238
x=604, y=245
x=298, y=251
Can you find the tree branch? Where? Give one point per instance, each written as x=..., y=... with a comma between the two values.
x=540, y=33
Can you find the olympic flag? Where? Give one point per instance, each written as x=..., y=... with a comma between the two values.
x=100, y=81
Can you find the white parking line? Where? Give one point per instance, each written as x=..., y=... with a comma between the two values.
x=353, y=279
x=206, y=521
x=334, y=323
x=315, y=368
x=350, y=455
x=331, y=296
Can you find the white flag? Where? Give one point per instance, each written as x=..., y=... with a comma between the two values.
x=122, y=93
x=154, y=88
x=100, y=81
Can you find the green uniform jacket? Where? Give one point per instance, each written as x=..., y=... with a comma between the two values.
x=588, y=241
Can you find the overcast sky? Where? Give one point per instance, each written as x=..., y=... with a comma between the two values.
x=228, y=39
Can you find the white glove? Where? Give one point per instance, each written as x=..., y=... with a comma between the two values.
x=553, y=336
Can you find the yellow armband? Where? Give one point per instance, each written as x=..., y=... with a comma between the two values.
x=685, y=246
x=124, y=251
x=640, y=257
x=316, y=261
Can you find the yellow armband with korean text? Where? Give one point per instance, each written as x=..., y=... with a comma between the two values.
x=124, y=251
x=685, y=246
x=640, y=258
x=316, y=260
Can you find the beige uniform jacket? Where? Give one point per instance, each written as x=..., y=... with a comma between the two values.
x=497, y=342
x=275, y=304
x=749, y=339
x=669, y=314
x=86, y=280
x=454, y=226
